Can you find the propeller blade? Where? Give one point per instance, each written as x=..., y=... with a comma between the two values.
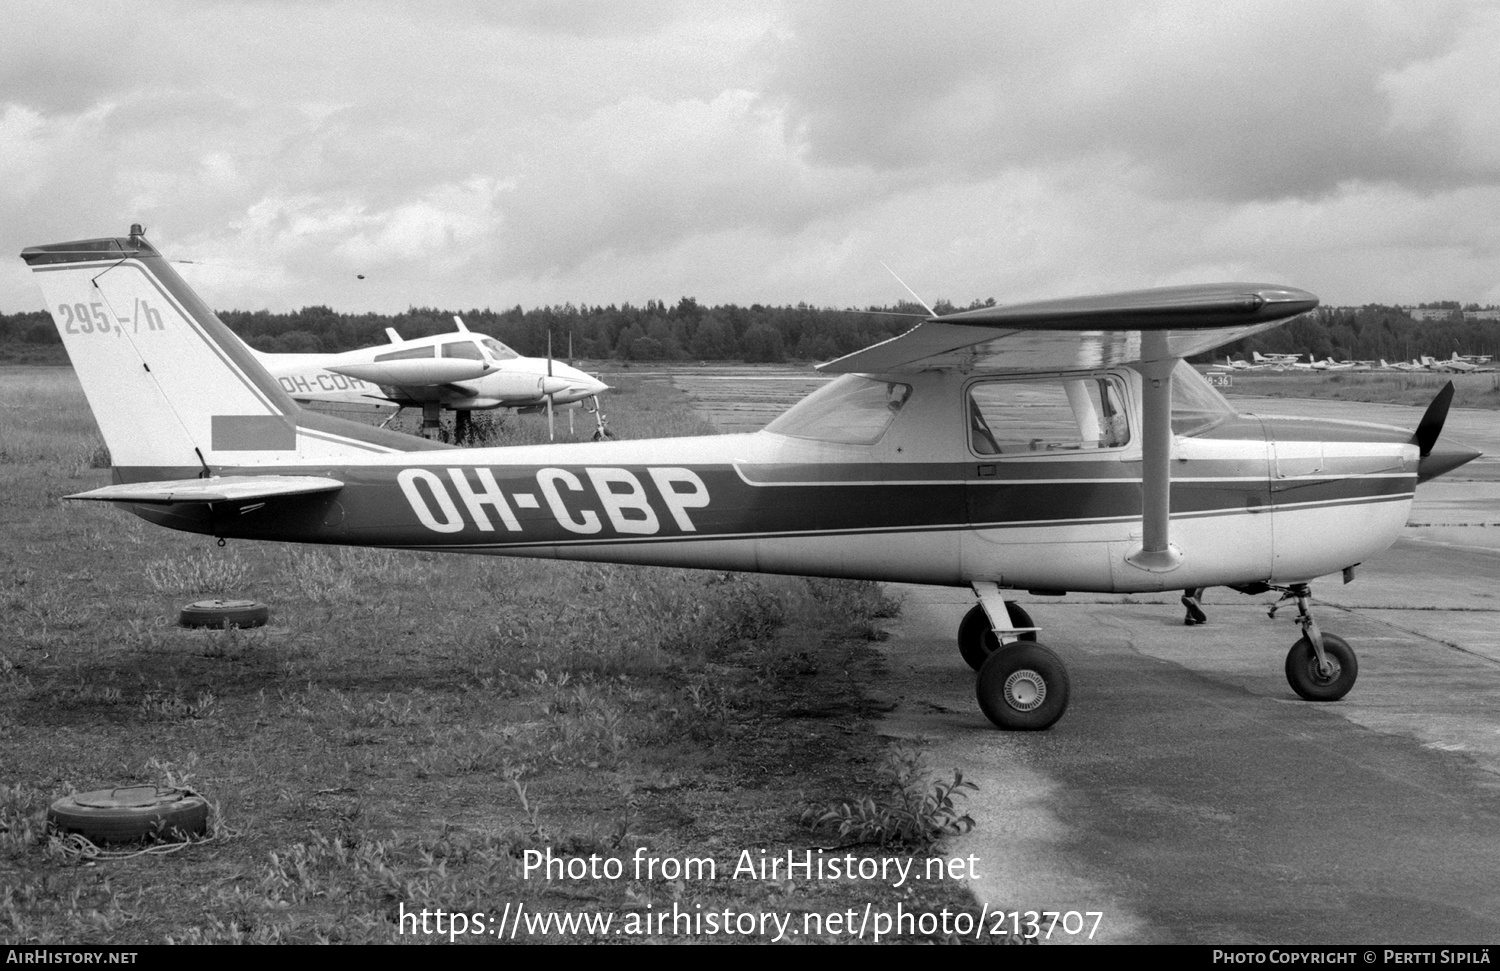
x=551, y=435
x=1431, y=425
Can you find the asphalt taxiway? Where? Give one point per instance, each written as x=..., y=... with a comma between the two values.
x=1188, y=795
x=1191, y=797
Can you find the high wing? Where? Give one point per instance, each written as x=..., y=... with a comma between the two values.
x=1149, y=330
x=1085, y=332
x=227, y=488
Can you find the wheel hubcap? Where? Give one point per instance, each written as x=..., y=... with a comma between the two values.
x=1025, y=690
x=1334, y=670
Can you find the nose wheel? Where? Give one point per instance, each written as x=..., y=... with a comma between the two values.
x=1319, y=667
x=1317, y=681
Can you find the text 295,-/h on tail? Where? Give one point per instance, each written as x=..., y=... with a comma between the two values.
x=174, y=391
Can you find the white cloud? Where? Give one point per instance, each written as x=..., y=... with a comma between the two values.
x=472, y=154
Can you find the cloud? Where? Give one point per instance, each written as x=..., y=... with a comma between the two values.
x=1246, y=100
x=472, y=153
x=641, y=174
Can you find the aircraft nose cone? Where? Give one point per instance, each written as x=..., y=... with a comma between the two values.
x=574, y=384
x=1444, y=457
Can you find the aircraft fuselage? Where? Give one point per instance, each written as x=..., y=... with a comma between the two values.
x=1251, y=498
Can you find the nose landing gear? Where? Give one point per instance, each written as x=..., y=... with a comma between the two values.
x=1319, y=667
x=602, y=432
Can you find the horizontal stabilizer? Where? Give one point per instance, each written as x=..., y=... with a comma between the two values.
x=228, y=488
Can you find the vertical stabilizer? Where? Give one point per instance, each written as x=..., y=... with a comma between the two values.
x=172, y=389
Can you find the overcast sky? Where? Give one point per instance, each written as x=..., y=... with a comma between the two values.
x=475, y=154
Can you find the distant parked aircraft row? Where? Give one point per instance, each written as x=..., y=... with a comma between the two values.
x=1458, y=363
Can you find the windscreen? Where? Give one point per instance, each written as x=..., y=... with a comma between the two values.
x=497, y=350
x=1196, y=406
x=850, y=410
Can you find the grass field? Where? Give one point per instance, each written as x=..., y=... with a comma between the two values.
x=1470, y=390
x=411, y=728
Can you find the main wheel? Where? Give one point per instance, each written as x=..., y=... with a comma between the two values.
x=1303, y=675
x=977, y=640
x=1023, y=688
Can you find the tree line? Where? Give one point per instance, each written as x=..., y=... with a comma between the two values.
x=1371, y=333
x=689, y=331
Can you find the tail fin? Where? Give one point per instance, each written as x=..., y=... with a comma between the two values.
x=173, y=390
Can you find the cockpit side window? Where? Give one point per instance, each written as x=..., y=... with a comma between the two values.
x=1050, y=415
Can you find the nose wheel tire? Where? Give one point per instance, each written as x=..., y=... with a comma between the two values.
x=1303, y=674
x=1023, y=687
x=977, y=640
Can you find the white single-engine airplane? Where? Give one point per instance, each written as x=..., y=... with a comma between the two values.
x=1054, y=446
x=461, y=372
x=1276, y=360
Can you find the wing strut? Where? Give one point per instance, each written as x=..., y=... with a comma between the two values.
x=1156, y=553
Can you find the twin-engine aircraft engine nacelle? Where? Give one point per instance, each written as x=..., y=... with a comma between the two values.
x=415, y=371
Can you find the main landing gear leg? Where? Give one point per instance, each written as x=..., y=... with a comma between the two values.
x=1193, y=601
x=1022, y=685
x=1319, y=667
x=432, y=420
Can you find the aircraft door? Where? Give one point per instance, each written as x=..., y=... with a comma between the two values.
x=1045, y=478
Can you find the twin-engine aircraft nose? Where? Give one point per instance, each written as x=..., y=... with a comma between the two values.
x=575, y=385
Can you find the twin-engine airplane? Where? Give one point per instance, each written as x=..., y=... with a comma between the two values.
x=461, y=372
x=1053, y=446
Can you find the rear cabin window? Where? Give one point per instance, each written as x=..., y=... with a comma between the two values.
x=464, y=349
x=1053, y=415
x=849, y=410
x=410, y=354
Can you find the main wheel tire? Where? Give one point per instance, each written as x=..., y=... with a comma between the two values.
x=977, y=640
x=1023, y=688
x=219, y=614
x=1303, y=675
x=131, y=813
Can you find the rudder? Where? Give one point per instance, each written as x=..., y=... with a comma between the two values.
x=173, y=390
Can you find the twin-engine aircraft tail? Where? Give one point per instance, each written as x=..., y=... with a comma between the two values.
x=175, y=393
